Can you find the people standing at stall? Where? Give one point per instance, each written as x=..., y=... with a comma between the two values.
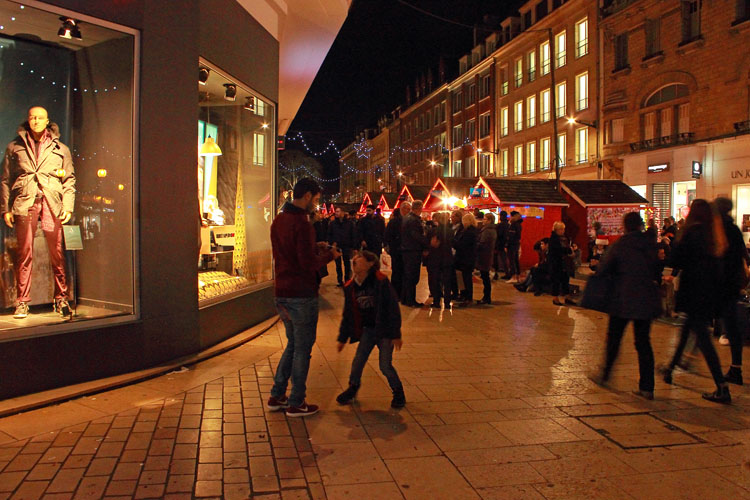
x=413, y=242
x=514, y=246
x=501, y=255
x=341, y=232
x=557, y=255
x=457, y=227
x=696, y=255
x=485, y=250
x=392, y=240
x=630, y=264
x=465, y=243
x=440, y=261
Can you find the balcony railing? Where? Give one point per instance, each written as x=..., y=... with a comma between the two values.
x=660, y=142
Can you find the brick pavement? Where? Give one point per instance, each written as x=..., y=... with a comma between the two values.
x=498, y=407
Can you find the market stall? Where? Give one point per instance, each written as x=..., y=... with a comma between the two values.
x=602, y=201
x=538, y=201
x=370, y=198
x=449, y=193
x=387, y=203
x=412, y=192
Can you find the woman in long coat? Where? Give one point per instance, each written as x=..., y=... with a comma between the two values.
x=558, y=251
x=465, y=243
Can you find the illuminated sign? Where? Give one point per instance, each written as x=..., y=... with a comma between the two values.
x=655, y=169
x=697, y=169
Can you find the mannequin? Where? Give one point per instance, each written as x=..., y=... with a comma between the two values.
x=38, y=186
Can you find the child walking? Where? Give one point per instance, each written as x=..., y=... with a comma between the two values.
x=371, y=317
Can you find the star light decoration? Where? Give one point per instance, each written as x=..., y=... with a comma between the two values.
x=363, y=149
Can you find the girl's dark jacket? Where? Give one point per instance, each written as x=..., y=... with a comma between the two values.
x=465, y=243
x=700, y=273
x=631, y=263
x=558, y=250
x=387, y=311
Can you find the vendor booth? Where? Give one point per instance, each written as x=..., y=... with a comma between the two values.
x=387, y=203
x=602, y=201
x=412, y=192
x=449, y=193
x=538, y=201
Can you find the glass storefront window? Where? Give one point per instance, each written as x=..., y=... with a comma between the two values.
x=742, y=208
x=67, y=118
x=236, y=154
x=683, y=195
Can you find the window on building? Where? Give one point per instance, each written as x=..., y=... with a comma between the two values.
x=484, y=90
x=561, y=99
x=527, y=21
x=503, y=170
x=653, y=37
x=743, y=11
x=484, y=164
x=259, y=149
x=665, y=121
x=472, y=94
x=518, y=116
x=519, y=72
x=561, y=148
x=469, y=166
x=541, y=10
x=504, y=86
x=544, y=58
x=531, y=156
x=531, y=65
x=531, y=111
x=518, y=160
x=428, y=120
x=471, y=130
x=649, y=126
x=484, y=124
x=458, y=170
x=458, y=101
x=458, y=135
x=621, y=52
x=560, y=50
x=614, y=131
x=668, y=93
x=544, y=153
x=691, y=20
x=442, y=140
x=582, y=145
x=544, y=114
x=683, y=118
x=582, y=91
x=582, y=37
x=442, y=111
x=435, y=115
x=504, y=121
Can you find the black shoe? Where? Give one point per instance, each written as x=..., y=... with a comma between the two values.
x=519, y=287
x=399, y=399
x=484, y=301
x=734, y=376
x=644, y=394
x=347, y=396
x=720, y=395
x=62, y=307
x=666, y=373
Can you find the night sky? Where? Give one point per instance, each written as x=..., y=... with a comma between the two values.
x=382, y=47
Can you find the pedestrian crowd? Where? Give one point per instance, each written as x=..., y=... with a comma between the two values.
x=633, y=282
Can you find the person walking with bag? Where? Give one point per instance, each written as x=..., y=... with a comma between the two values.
x=630, y=266
x=485, y=251
x=697, y=253
x=371, y=317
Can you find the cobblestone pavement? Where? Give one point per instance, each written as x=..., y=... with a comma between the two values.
x=498, y=407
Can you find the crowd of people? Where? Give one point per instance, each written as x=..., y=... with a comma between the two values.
x=705, y=252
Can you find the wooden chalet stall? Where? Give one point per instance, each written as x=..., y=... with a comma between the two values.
x=412, y=192
x=538, y=201
x=449, y=193
x=387, y=204
x=370, y=198
x=603, y=201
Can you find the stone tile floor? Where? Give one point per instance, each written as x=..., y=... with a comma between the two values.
x=498, y=407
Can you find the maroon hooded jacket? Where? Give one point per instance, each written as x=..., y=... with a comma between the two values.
x=296, y=256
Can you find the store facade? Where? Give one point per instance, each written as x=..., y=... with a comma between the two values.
x=167, y=249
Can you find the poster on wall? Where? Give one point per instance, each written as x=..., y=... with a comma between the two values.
x=746, y=223
x=525, y=211
x=610, y=219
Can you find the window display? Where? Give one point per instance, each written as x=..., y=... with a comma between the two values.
x=66, y=187
x=236, y=130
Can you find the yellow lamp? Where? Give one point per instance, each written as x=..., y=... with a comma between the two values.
x=120, y=187
x=102, y=172
x=210, y=148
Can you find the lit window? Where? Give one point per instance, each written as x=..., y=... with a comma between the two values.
x=518, y=161
x=503, y=163
x=531, y=63
x=545, y=104
x=519, y=72
x=531, y=111
x=544, y=153
x=561, y=148
x=582, y=145
x=582, y=37
x=531, y=156
x=560, y=53
x=518, y=116
x=561, y=105
x=582, y=91
x=504, y=121
x=259, y=147
x=544, y=57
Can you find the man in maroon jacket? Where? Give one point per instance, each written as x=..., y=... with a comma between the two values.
x=297, y=259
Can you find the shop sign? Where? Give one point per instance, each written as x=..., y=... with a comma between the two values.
x=224, y=235
x=476, y=192
x=697, y=170
x=610, y=219
x=655, y=169
x=525, y=211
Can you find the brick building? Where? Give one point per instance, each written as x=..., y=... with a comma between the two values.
x=676, y=93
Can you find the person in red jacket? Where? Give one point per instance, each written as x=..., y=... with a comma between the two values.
x=297, y=259
x=371, y=317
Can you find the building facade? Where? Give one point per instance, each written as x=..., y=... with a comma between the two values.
x=676, y=101
x=168, y=248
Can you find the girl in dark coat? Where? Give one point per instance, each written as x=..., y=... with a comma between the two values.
x=559, y=250
x=695, y=256
x=465, y=243
x=631, y=265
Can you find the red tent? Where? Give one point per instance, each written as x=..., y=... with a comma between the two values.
x=387, y=203
x=411, y=192
x=449, y=193
x=370, y=198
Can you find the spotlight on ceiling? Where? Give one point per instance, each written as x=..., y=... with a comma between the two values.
x=69, y=29
x=250, y=104
x=203, y=74
x=230, y=94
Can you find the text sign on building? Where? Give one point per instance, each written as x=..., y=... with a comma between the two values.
x=655, y=169
x=697, y=170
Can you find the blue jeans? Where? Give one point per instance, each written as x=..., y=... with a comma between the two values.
x=300, y=317
x=366, y=344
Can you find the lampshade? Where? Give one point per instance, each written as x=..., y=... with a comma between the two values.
x=210, y=148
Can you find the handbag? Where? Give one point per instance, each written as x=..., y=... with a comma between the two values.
x=597, y=292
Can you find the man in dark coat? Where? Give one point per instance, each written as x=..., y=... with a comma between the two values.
x=413, y=242
x=514, y=246
x=392, y=240
x=631, y=265
x=501, y=254
x=485, y=250
x=341, y=232
x=370, y=231
x=440, y=261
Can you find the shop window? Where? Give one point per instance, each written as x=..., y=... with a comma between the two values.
x=235, y=185
x=661, y=200
x=76, y=95
x=683, y=194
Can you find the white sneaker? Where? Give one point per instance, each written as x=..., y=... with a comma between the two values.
x=723, y=340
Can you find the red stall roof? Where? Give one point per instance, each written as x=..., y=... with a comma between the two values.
x=518, y=191
x=370, y=198
x=447, y=187
x=411, y=192
x=602, y=193
x=388, y=201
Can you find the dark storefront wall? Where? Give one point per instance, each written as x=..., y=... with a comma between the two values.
x=170, y=324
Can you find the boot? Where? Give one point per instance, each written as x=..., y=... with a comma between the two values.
x=720, y=395
x=734, y=375
x=347, y=396
x=399, y=399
